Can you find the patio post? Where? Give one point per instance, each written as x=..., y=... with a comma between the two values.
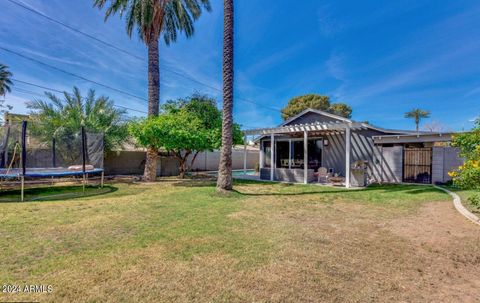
x=347, y=155
x=305, y=157
x=260, y=154
x=245, y=154
x=272, y=156
x=289, y=153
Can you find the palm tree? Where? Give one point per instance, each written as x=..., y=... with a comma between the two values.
x=62, y=118
x=5, y=80
x=153, y=18
x=417, y=114
x=224, y=181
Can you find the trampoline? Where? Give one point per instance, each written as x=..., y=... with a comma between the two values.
x=31, y=151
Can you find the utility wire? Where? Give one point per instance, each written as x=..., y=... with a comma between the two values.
x=32, y=10
x=74, y=29
x=62, y=92
x=72, y=74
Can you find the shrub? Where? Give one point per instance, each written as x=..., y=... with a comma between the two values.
x=467, y=176
x=474, y=201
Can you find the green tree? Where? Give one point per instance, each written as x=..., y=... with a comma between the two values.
x=467, y=176
x=153, y=18
x=5, y=80
x=340, y=109
x=5, y=86
x=298, y=104
x=63, y=118
x=180, y=133
x=224, y=180
x=417, y=115
x=204, y=111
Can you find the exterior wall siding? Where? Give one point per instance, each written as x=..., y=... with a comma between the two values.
x=445, y=159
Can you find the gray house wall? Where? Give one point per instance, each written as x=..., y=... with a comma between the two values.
x=444, y=159
x=384, y=163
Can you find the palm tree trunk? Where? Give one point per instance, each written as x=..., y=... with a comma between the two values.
x=224, y=181
x=150, y=173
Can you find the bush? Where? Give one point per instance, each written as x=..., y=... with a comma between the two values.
x=474, y=201
x=467, y=176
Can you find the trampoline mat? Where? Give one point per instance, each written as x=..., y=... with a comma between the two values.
x=45, y=172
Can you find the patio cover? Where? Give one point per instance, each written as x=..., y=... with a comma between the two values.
x=305, y=128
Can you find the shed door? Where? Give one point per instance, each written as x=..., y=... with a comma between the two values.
x=417, y=165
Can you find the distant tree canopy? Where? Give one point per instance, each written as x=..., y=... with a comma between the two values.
x=185, y=127
x=63, y=118
x=298, y=104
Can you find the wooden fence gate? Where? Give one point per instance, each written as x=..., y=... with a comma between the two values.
x=417, y=165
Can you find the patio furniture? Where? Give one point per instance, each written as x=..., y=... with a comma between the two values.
x=337, y=181
x=322, y=174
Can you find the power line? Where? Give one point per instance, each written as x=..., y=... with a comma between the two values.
x=72, y=74
x=74, y=29
x=130, y=53
x=62, y=92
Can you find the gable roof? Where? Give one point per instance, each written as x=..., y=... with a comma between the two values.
x=316, y=111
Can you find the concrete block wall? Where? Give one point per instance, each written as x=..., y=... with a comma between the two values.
x=133, y=162
x=444, y=159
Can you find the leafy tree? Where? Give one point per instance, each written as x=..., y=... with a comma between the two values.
x=180, y=133
x=186, y=127
x=63, y=118
x=224, y=180
x=5, y=80
x=298, y=104
x=467, y=176
x=417, y=115
x=153, y=18
x=340, y=109
x=205, y=108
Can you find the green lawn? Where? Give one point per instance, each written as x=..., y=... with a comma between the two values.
x=464, y=195
x=180, y=241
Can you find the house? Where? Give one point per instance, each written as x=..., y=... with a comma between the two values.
x=357, y=152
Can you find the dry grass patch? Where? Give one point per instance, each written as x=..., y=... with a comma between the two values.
x=180, y=242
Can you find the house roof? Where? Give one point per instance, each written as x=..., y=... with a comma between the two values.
x=320, y=112
x=340, y=124
x=414, y=138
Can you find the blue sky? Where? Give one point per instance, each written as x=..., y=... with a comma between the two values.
x=381, y=57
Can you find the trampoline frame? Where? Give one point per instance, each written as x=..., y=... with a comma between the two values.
x=62, y=172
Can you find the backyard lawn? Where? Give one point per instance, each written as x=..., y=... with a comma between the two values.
x=179, y=241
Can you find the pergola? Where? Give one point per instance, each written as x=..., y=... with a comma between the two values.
x=342, y=127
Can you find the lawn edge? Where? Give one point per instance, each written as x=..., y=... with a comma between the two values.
x=457, y=202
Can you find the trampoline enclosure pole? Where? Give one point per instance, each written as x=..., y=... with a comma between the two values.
x=24, y=147
x=54, y=156
x=83, y=157
x=22, y=188
x=23, y=158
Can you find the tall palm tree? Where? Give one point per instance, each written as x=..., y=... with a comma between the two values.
x=153, y=18
x=5, y=80
x=417, y=114
x=224, y=181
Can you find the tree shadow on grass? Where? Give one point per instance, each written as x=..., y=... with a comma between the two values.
x=57, y=193
x=302, y=189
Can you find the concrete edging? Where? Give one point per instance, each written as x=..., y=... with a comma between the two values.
x=457, y=202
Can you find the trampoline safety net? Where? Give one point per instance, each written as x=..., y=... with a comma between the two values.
x=35, y=150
